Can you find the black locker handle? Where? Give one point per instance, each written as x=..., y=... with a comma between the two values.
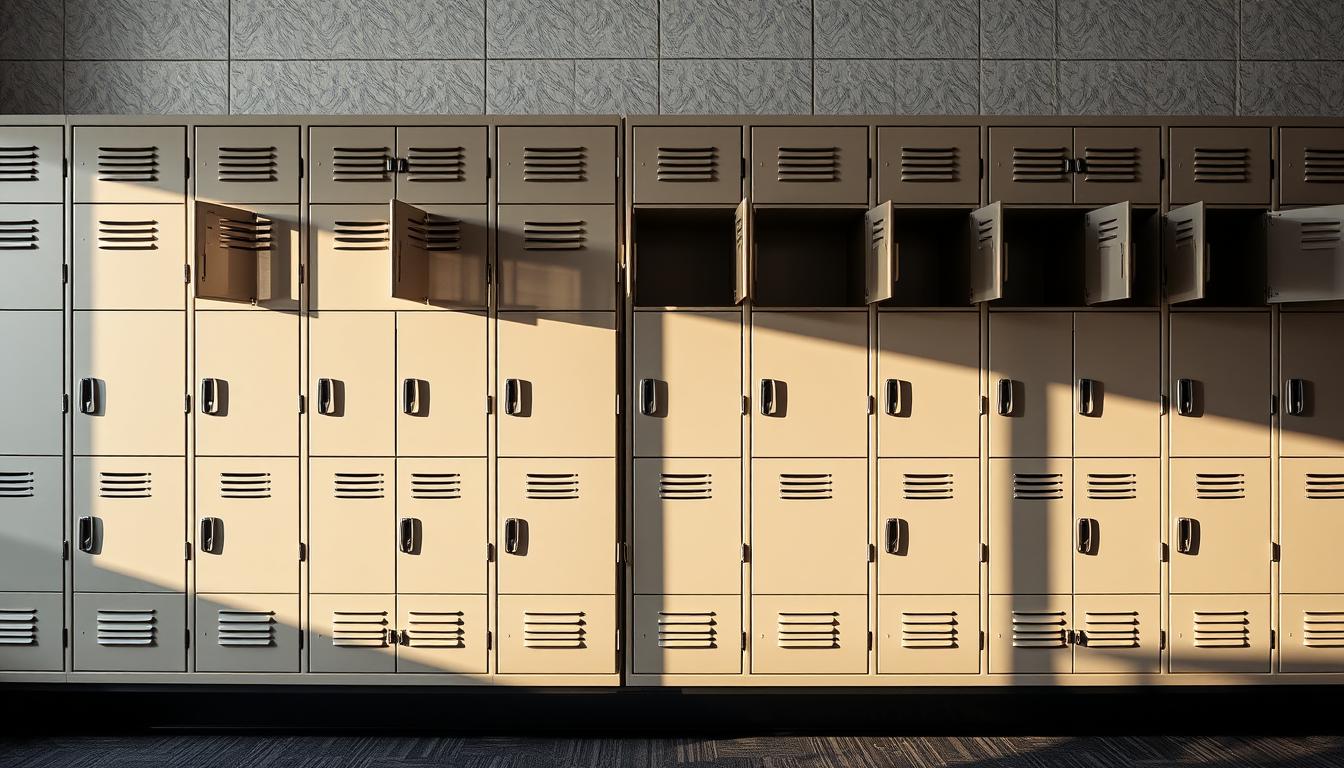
x=648, y=397
x=893, y=536
x=1185, y=535
x=1185, y=397
x=1005, y=397
x=1087, y=528
x=326, y=401
x=210, y=396
x=768, y=397
x=894, y=404
x=1295, y=393
x=513, y=404
x=511, y=536
x=209, y=526
x=406, y=534
x=88, y=396
x=86, y=534
x=410, y=396
x=1087, y=405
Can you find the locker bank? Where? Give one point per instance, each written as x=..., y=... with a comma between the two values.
x=672, y=401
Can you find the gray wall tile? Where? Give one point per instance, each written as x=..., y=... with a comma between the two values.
x=1299, y=88
x=896, y=29
x=921, y=87
x=31, y=88
x=146, y=87
x=616, y=86
x=441, y=87
x=146, y=29
x=779, y=29
x=529, y=87
x=1147, y=87
x=1147, y=29
x=1292, y=29
x=736, y=86
x=556, y=29
x=1017, y=29
x=1018, y=87
x=357, y=87
x=31, y=29
x=358, y=29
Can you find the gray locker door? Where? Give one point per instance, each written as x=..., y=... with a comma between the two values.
x=247, y=384
x=351, y=527
x=352, y=633
x=988, y=257
x=253, y=164
x=687, y=164
x=1108, y=255
x=557, y=164
x=810, y=164
x=1186, y=253
x=247, y=525
x=31, y=531
x=32, y=163
x=31, y=255
x=129, y=386
x=439, y=254
x=129, y=532
x=275, y=246
x=1313, y=165
x=130, y=164
x=1311, y=384
x=248, y=633
x=442, y=164
x=883, y=254
x=351, y=164
x=1122, y=163
x=1031, y=164
x=557, y=257
x=744, y=248
x=30, y=383
x=228, y=244
x=923, y=165
x=1306, y=255
x=31, y=632
x=130, y=633
x=1225, y=165
x=130, y=257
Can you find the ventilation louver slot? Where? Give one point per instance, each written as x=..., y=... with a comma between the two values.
x=553, y=235
x=929, y=629
x=1111, y=629
x=128, y=235
x=1040, y=629
x=430, y=485
x=358, y=485
x=1222, y=165
x=247, y=164
x=128, y=164
x=361, y=235
x=1320, y=486
x=1323, y=629
x=1319, y=234
x=927, y=486
x=127, y=627
x=17, y=485
x=360, y=164
x=125, y=485
x=554, y=629
x=245, y=485
x=1185, y=234
x=18, y=163
x=687, y=629
x=359, y=629
x=555, y=163
x=1038, y=486
x=18, y=626
x=436, y=164
x=1111, y=164
x=689, y=485
x=1040, y=164
x=688, y=163
x=929, y=164
x=1112, y=486
x=436, y=233
x=557, y=485
x=437, y=629
x=1222, y=629
x=1220, y=486
x=807, y=164
x=1318, y=165
x=246, y=629
x=805, y=486
x=18, y=235
x=804, y=630
x=253, y=235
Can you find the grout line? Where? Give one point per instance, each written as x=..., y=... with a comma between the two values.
x=228, y=58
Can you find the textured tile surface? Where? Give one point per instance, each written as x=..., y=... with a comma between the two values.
x=554, y=29
x=736, y=28
x=707, y=86
x=146, y=87
x=616, y=87
x=358, y=29
x=357, y=87
x=1018, y=87
x=1292, y=88
x=146, y=29
x=857, y=87
x=1147, y=87
x=529, y=87
x=896, y=29
x=1017, y=29
x=30, y=87
x=1147, y=29
x=31, y=29
x=1292, y=29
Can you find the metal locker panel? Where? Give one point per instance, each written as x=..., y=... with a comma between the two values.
x=129, y=533
x=1217, y=634
x=989, y=256
x=247, y=525
x=1117, y=384
x=1311, y=378
x=248, y=633
x=688, y=526
x=130, y=164
x=227, y=247
x=32, y=163
x=32, y=345
x=129, y=383
x=933, y=165
x=351, y=526
x=1311, y=524
x=557, y=257
x=1312, y=627
x=1306, y=254
x=32, y=255
x=1108, y=255
x=928, y=634
x=688, y=634
x=1221, y=387
x=557, y=164
x=247, y=384
x=439, y=254
x=1117, y=526
x=1117, y=164
x=1117, y=634
x=130, y=633
x=351, y=257
x=441, y=525
x=253, y=164
x=809, y=635
x=688, y=164
x=1029, y=634
x=32, y=496
x=1030, y=526
x=813, y=164
x=883, y=254
x=1031, y=164
x=928, y=373
x=688, y=380
x=441, y=367
x=31, y=631
x=442, y=164
x=1220, y=166
x=1220, y=525
x=1186, y=253
x=810, y=370
x=1030, y=376
x=557, y=634
x=744, y=249
x=809, y=520
x=351, y=164
x=1313, y=166
x=352, y=633
x=557, y=379
x=352, y=391
x=130, y=257
x=928, y=513
x=557, y=526
x=277, y=263
x=442, y=634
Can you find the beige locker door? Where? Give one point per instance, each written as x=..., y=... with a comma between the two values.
x=352, y=633
x=130, y=164
x=32, y=255
x=32, y=160
x=248, y=633
x=557, y=634
x=1117, y=634
x=227, y=250
x=1313, y=166
x=1030, y=376
x=439, y=255
x=32, y=344
x=688, y=380
x=1226, y=165
x=1117, y=365
x=809, y=635
x=129, y=533
x=810, y=371
x=1031, y=164
x=130, y=633
x=744, y=252
x=928, y=634
x=441, y=370
x=809, y=524
x=352, y=534
x=928, y=517
x=1311, y=520
x=351, y=164
x=247, y=384
x=557, y=257
x=441, y=525
x=810, y=164
x=1220, y=384
x=1311, y=381
x=276, y=253
x=928, y=373
x=1117, y=528
x=254, y=164
x=989, y=256
x=557, y=384
x=883, y=254
x=688, y=526
x=32, y=493
x=247, y=525
x=1117, y=164
x=1029, y=634
x=350, y=258
x=1186, y=253
x=442, y=164
x=352, y=386
x=1306, y=254
x=1030, y=526
x=442, y=634
x=128, y=389
x=557, y=526
x=130, y=256
x=31, y=632
x=923, y=165
x=1108, y=256
x=1220, y=634
x=688, y=164
x=688, y=634
x=1312, y=627
x=557, y=164
x=1220, y=522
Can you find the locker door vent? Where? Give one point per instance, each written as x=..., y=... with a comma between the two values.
x=360, y=164
x=554, y=629
x=1116, y=486
x=929, y=164
x=1323, y=629
x=553, y=235
x=1319, y=486
x=935, y=629
x=673, y=485
x=1040, y=629
x=359, y=629
x=799, y=630
x=1111, y=164
x=688, y=164
x=1037, y=164
x=18, y=626
x=1222, y=165
x=18, y=163
x=17, y=234
x=1222, y=629
x=926, y=487
x=437, y=629
x=555, y=163
x=1185, y=234
x=436, y=164
x=427, y=485
x=247, y=164
x=552, y=485
x=805, y=487
x=1319, y=165
x=1220, y=486
x=17, y=485
x=128, y=235
x=243, y=629
x=437, y=234
x=362, y=235
x=687, y=629
x=807, y=164
x=1319, y=234
x=245, y=485
x=127, y=627
x=358, y=485
x=125, y=485
x=254, y=235
x=128, y=164
x=1038, y=487
x=1111, y=629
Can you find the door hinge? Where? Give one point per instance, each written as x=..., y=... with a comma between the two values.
x=618, y=641
x=744, y=641
x=65, y=274
x=187, y=164
x=65, y=168
x=1070, y=637
x=872, y=553
x=302, y=275
x=618, y=165
x=746, y=553
x=1163, y=404
x=65, y=403
x=618, y=404
x=1273, y=168
x=1274, y=552
x=982, y=639
x=872, y=405
x=65, y=550
x=620, y=552
x=744, y=167
x=65, y=637
x=303, y=405
x=983, y=405
x=301, y=633
x=186, y=403
x=301, y=164
x=489, y=405
x=489, y=640
x=489, y=168
x=870, y=639
x=186, y=550
x=1162, y=640
x=982, y=167
x=186, y=274
x=1163, y=552
x=1273, y=639
x=746, y=405
x=489, y=552
x=870, y=167
x=984, y=553
x=1273, y=405
x=303, y=552
x=620, y=262
x=1162, y=168
x=186, y=637
x=489, y=275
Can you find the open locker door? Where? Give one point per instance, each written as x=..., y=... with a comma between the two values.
x=410, y=252
x=1109, y=255
x=229, y=242
x=989, y=267
x=1306, y=255
x=883, y=254
x=1187, y=253
x=742, y=251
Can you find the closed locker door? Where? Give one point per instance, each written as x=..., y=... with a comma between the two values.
x=441, y=369
x=812, y=164
x=809, y=520
x=351, y=532
x=1311, y=520
x=1217, y=634
x=30, y=382
x=1117, y=634
x=442, y=634
x=1030, y=373
x=557, y=257
x=809, y=635
x=928, y=373
x=1313, y=633
x=129, y=383
x=557, y=634
x=688, y=526
x=130, y=633
x=1220, y=516
x=350, y=164
x=31, y=632
x=130, y=256
x=31, y=255
x=688, y=383
x=1030, y=165
x=351, y=389
x=688, y=164
x=688, y=634
x=1030, y=526
x=248, y=633
x=247, y=384
x=1220, y=166
x=248, y=164
x=1117, y=164
x=811, y=384
x=557, y=526
x=928, y=634
x=352, y=633
x=33, y=158
x=1220, y=384
x=1029, y=634
x=1117, y=365
x=1117, y=536
x=130, y=164
x=32, y=505
x=350, y=263
x=441, y=525
x=1312, y=384
x=557, y=384
x=247, y=525
x=929, y=165
x=557, y=164
x=928, y=513
x=1313, y=159
x=442, y=164
x=129, y=527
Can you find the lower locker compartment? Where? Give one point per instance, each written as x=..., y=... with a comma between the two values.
x=442, y=634
x=31, y=530
x=1029, y=634
x=1117, y=634
x=130, y=527
x=928, y=634
x=557, y=634
x=809, y=634
x=1214, y=634
x=247, y=633
x=352, y=633
x=688, y=634
x=1312, y=627
x=121, y=632
x=31, y=625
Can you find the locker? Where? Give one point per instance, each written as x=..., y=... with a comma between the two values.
x=130, y=633
x=557, y=257
x=688, y=526
x=688, y=375
x=556, y=377
x=32, y=494
x=441, y=526
x=439, y=255
x=882, y=254
x=813, y=164
x=1306, y=254
x=442, y=634
x=1113, y=164
x=1220, y=165
x=557, y=634
x=130, y=164
x=1217, y=634
x=1311, y=520
x=928, y=369
x=31, y=254
x=442, y=164
x=1117, y=529
x=688, y=634
x=1117, y=384
x=1220, y=384
x=130, y=256
x=809, y=526
x=1313, y=633
x=928, y=634
x=352, y=633
x=688, y=164
x=557, y=526
x=1220, y=525
x=557, y=164
x=1311, y=376
x=255, y=164
x=350, y=263
x=1030, y=526
x=1313, y=166
x=989, y=256
x=247, y=384
x=129, y=529
x=1030, y=362
x=809, y=635
x=925, y=166
x=351, y=164
x=352, y=390
x=32, y=344
x=129, y=387
x=1031, y=164
x=273, y=241
x=31, y=632
x=248, y=633
x=928, y=513
x=441, y=367
x=247, y=525
x=1029, y=634
x=811, y=394
x=1108, y=265
x=32, y=159
x=744, y=252
x=1117, y=634
x=352, y=533
x=228, y=244
x=1187, y=254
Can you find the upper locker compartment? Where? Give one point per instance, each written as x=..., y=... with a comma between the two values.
x=435, y=257
x=31, y=164
x=1087, y=165
x=557, y=164
x=130, y=164
x=690, y=165
x=252, y=165
x=826, y=165
x=1220, y=166
x=442, y=164
x=1306, y=254
x=352, y=164
x=1313, y=166
x=243, y=256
